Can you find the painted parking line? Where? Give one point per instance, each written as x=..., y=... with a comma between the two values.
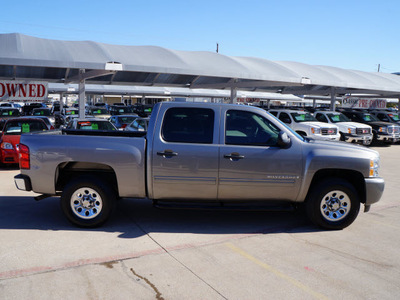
x=277, y=273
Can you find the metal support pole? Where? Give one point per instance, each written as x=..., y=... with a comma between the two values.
x=61, y=101
x=314, y=103
x=82, y=95
x=233, y=95
x=333, y=98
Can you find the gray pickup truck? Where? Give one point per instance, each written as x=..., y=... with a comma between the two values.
x=204, y=154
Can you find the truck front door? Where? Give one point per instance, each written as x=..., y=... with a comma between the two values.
x=252, y=165
x=185, y=156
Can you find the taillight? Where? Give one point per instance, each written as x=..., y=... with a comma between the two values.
x=52, y=127
x=123, y=125
x=24, y=159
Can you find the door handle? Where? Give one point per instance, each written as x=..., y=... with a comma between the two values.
x=234, y=156
x=167, y=153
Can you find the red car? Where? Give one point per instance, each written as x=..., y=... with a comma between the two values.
x=11, y=134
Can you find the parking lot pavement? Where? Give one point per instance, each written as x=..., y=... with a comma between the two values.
x=147, y=253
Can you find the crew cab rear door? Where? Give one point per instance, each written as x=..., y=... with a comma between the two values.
x=185, y=155
x=252, y=165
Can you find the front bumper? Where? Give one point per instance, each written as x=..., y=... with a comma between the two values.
x=23, y=182
x=358, y=138
x=389, y=137
x=374, y=187
x=323, y=137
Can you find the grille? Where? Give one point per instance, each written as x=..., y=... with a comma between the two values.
x=328, y=131
x=363, y=131
x=393, y=129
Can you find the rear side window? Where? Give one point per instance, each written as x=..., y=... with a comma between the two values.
x=188, y=125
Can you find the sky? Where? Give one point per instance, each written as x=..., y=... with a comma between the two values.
x=352, y=34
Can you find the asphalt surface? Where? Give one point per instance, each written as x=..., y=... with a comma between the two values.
x=148, y=253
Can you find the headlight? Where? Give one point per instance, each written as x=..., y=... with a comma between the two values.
x=6, y=146
x=374, y=167
x=383, y=129
x=315, y=130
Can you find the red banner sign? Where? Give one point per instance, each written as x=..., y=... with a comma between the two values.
x=21, y=90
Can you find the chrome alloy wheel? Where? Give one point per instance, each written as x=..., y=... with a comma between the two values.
x=86, y=203
x=335, y=206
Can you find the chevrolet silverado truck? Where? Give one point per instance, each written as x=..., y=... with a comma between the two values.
x=213, y=155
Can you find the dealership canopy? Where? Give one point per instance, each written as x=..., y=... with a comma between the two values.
x=25, y=57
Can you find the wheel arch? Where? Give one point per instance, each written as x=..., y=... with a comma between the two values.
x=301, y=132
x=69, y=170
x=353, y=177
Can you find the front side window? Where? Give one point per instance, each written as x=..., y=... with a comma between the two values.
x=284, y=117
x=188, y=125
x=247, y=128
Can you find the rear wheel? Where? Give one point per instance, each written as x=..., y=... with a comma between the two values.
x=87, y=201
x=333, y=204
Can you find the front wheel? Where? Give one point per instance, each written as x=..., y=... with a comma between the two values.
x=333, y=204
x=87, y=201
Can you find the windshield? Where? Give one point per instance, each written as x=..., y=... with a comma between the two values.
x=336, y=118
x=369, y=118
x=69, y=112
x=123, y=109
x=9, y=112
x=41, y=112
x=99, y=111
x=302, y=117
x=394, y=117
x=17, y=127
x=127, y=120
x=95, y=125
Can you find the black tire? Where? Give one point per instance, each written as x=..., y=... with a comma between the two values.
x=342, y=137
x=333, y=204
x=88, y=201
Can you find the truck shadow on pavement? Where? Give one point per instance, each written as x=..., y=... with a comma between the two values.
x=135, y=218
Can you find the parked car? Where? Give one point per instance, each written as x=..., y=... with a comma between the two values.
x=306, y=125
x=11, y=134
x=352, y=132
x=28, y=107
x=98, y=112
x=120, y=110
x=121, y=121
x=45, y=112
x=139, y=124
x=6, y=112
x=143, y=110
x=382, y=131
x=90, y=124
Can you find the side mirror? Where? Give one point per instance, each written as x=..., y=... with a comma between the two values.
x=284, y=140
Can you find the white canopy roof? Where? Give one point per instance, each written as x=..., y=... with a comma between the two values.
x=164, y=91
x=30, y=58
